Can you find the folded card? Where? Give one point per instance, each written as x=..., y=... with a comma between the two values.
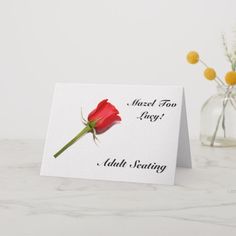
x=134, y=133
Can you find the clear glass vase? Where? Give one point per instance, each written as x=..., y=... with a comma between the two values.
x=218, y=119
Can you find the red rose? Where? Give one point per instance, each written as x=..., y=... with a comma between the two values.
x=104, y=116
x=99, y=120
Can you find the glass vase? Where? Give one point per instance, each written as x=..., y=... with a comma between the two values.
x=218, y=119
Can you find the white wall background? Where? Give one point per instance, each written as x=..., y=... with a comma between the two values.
x=125, y=41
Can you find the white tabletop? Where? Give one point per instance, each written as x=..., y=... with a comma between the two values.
x=203, y=201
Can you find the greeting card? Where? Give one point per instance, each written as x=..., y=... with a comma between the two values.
x=134, y=133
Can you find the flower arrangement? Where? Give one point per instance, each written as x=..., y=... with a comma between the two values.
x=227, y=85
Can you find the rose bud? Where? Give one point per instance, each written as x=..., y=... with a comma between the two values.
x=104, y=116
x=99, y=120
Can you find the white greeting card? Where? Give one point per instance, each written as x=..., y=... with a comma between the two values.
x=133, y=133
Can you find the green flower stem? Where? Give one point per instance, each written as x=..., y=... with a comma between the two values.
x=84, y=131
x=225, y=102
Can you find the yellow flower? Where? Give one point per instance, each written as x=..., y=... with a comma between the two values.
x=210, y=73
x=230, y=78
x=192, y=57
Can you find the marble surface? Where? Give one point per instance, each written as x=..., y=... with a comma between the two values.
x=203, y=201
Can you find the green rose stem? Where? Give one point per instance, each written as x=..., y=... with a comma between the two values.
x=88, y=128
